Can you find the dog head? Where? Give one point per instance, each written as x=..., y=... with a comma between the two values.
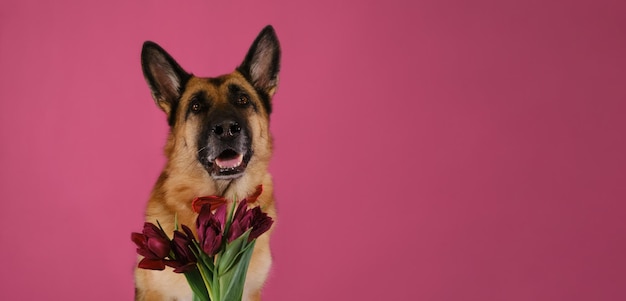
x=220, y=124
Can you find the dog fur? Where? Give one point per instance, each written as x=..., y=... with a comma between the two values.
x=225, y=116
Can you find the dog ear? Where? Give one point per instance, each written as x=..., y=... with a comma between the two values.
x=262, y=63
x=164, y=76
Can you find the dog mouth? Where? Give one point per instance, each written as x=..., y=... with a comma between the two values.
x=229, y=164
x=229, y=159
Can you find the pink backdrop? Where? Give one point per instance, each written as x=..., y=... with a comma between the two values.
x=425, y=150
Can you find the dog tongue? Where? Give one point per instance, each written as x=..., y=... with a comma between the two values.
x=229, y=162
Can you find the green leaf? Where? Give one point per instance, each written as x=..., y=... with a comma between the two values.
x=231, y=283
x=207, y=281
x=194, y=278
x=232, y=252
x=207, y=271
x=197, y=298
x=176, y=221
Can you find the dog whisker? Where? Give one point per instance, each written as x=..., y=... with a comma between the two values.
x=202, y=148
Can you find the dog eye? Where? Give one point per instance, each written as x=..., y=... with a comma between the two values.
x=195, y=106
x=243, y=100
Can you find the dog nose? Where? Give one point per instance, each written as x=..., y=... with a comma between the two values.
x=227, y=130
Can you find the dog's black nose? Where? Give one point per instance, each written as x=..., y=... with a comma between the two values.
x=227, y=130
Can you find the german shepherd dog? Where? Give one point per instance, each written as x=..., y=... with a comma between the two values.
x=219, y=144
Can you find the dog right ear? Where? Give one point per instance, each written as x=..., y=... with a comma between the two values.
x=164, y=76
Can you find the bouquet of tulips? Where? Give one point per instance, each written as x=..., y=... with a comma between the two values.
x=216, y=262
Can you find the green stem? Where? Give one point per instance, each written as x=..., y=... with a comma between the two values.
x=205, y=278
x=216, y=282
x=229, y=220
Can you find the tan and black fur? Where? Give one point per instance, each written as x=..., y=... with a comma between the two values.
x=219, y=144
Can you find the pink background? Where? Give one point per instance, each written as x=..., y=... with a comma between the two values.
x=425, y=150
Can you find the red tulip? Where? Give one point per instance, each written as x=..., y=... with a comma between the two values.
x=260, y=223
x=217, y=201
x=153, y=245
x=213, y=201
x=210, y=227
x=241, y=221
x=245, y=219
x=184, y=260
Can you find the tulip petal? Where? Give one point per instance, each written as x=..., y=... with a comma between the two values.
x=217, y=243
x=159, y=247
x=241, y=210
x=203, y=221
x=246, y=220
x=151, y=230
x=252, y=198
x=235, y=231
x=260, y=224
x=209, y=228
x=150, y=264
x=212, y=200
x=185, y=268
x=220, y=214
x=181, y=247
x=146, y=253
x=139, y=239
x=188, y=232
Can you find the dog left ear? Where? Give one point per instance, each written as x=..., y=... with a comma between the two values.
x=262, y=63
x=164, y=76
